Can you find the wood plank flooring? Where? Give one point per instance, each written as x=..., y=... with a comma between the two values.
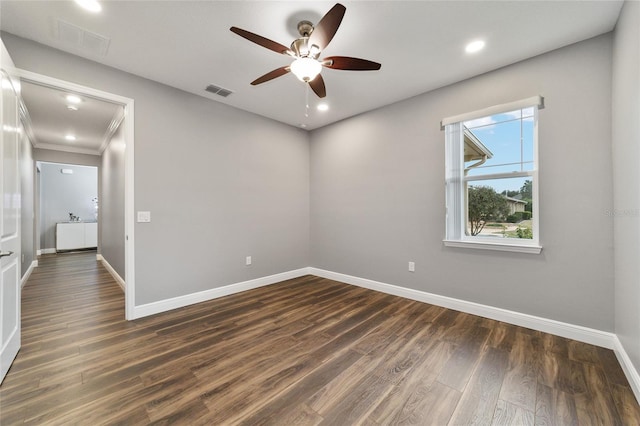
x=306, y=351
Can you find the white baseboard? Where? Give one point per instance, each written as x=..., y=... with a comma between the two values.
x=627, y=366
x=214, y=293
x=38, y=252
x=27, y=274
x=570, y=331
x=47, y=251
x=112, y=271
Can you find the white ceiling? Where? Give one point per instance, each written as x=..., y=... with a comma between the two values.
x=51, y=120
x=420, y=44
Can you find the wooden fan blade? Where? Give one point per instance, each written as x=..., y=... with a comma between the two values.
x=317, y=85
x=324, y=31
x=271, y=75
x=262, y=41
x=350, y=64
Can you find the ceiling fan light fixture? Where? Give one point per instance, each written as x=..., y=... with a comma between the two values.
x=314, y=51
x=306, y=69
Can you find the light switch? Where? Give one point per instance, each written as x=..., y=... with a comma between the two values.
x=144, y=217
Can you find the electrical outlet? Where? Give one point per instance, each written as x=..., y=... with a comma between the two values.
x=248, y=260
x=412, y=266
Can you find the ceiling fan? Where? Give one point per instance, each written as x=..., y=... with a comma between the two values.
x=307, y=49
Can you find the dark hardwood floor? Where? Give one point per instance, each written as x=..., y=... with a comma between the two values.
x=302, y=352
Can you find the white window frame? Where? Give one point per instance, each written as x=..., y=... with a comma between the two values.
x=455, y=182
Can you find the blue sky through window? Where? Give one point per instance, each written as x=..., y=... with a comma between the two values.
x=509, y=137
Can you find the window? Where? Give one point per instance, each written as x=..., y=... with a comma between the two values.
x=492, y=178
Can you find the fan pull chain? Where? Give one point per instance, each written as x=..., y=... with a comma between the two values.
x=306, y=102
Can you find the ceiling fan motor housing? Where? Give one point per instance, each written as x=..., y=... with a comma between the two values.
x=301, y=46
x=302, y=49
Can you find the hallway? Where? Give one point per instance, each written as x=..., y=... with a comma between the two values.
x=70, y=306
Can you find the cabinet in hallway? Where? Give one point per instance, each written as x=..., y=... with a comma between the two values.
x=76, y=235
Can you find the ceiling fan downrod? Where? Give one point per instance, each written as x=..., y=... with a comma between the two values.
x=301, y=46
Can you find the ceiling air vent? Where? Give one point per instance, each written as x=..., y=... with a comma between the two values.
x=82, y=39
x=218, y=90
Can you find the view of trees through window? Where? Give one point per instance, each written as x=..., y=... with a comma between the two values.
x=506, y=214
x=499, y=165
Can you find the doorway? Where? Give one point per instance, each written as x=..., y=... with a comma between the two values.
x=68, y=200
x=121, y=132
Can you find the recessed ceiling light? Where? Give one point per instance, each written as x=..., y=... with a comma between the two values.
x=70, y=137
x=72, y=108
x=323, y=107
x=90, y=5
x=73, y=99
x=474, y=46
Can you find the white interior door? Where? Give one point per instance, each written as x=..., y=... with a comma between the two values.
x=9, y=226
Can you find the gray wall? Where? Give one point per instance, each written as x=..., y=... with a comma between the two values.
x=27, y=191
x=63, y=157
x=111, y=228
x=626, y=178
x=64, y=193
x=377, y=193
x=221, y=183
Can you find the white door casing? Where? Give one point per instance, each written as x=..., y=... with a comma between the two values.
x=128, y=130
x=10, y=250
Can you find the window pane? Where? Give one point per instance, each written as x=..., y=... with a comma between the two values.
x=527, y=141
x=499, y=208
x=500, y=143
x=528, y=113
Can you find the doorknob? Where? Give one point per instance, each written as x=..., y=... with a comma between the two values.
x=5, y=253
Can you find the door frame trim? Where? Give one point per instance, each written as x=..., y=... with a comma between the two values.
x=129, y=199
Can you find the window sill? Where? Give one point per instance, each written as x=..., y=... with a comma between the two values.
x=482, y=245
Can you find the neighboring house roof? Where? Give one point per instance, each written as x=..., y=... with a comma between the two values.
x=473, y=148
x=515, y=200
